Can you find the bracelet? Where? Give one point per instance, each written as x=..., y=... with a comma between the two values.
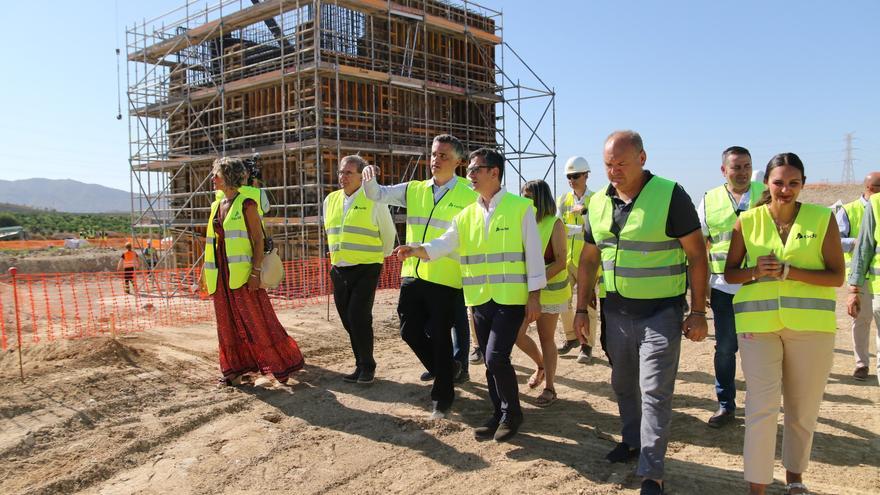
x=753, y=272
x=582, y=312
x=697, y=313
x=254, y=275
x=785, y=269
x=854, y=290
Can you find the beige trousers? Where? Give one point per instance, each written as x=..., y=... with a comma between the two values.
x=794, y=365
x=567, y=316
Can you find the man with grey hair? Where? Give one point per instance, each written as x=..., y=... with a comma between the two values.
x=360, y=234
x=645, y=232
x=430, y=291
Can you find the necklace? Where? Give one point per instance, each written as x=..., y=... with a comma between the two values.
x=784, y=228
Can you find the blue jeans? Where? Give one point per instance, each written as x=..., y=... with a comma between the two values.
x=725, y=348
x=461, y=334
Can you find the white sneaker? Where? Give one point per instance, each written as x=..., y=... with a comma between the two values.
x=586, y=355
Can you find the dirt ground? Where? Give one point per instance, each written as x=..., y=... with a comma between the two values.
x=61, y=260
x=142, y=415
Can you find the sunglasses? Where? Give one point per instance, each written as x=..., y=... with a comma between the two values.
x=575, y=176
x=473, y=169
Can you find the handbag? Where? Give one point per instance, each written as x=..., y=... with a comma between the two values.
x=272, y=269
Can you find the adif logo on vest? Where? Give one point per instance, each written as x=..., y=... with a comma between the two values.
x=805, y=236
x=453, y=205
x=501, y=229
x=359, y=207
x=236, y=215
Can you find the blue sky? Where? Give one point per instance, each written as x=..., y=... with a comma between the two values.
x=693, y=77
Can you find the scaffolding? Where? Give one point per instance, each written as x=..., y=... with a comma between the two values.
x=303, y=83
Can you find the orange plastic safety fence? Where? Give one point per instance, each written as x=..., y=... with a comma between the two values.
x=113, y=242
x=51, y=306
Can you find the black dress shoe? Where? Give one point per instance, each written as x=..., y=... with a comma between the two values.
x=353, y=376
x=651, y=487
x=622, y=453
x=366, y=377
x=486, y=431
x=507, y=428
x=426, y=376
x=721, y=417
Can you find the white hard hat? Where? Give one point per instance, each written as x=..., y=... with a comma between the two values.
x=576, y=165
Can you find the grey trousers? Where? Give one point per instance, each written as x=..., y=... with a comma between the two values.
x=645, y=354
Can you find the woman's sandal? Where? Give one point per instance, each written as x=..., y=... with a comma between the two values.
x=234, y=381
x=537, y=377
x=798, y=486
x=547, y=397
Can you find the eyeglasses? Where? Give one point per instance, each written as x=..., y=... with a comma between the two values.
x=576, y=176
x=347, y=173
x=473, y=169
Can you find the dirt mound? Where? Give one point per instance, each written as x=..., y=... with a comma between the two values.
x=142, y=415
x=61, y=260
x=826, y=194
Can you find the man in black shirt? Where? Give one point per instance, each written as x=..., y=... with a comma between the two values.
x=646, y=233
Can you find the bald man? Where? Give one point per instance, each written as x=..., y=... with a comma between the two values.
x=849, y=219
x=645, y=233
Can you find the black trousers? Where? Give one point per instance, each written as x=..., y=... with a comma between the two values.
x=354, y=288
x=426, y=312
x=497, y=326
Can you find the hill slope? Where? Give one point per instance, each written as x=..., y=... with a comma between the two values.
x=64, y=195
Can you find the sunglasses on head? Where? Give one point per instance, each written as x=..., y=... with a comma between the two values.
x=575, y=176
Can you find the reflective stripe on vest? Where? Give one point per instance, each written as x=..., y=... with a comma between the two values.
x=769, y=304
x=557, y=290
x=643, y=262
x=855, y=211
x=426, y=221
x=496, y=267
x=354, y=237
x=237, y=245
x=720, y=219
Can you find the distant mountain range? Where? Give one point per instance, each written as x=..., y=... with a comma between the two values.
x=64, y=195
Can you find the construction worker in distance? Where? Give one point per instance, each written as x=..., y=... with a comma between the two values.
x=571, y=208
x=128, y=263
x=857, y=223
x=502, y=272
x=644, y=231
x=431, y=291
x=718, y=211
x=360, y=234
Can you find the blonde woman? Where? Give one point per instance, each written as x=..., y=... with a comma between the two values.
x=785, y=319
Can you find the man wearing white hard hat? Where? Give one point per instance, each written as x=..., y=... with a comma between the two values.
x=571, y=208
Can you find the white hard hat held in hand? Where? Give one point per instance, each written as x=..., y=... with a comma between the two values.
x=576, y=165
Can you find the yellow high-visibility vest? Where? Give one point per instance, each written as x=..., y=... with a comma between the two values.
x=236, y=242
x=720, y=218
x=854, y=212
x=575, y=240
x=769, y=304
x=249, y=192
x=642, y=262
x=353, y=237
x=426, y=221
x=557, y=290
x=493, y=267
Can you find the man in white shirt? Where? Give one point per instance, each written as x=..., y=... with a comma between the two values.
x=502, y=268
x=360, y=235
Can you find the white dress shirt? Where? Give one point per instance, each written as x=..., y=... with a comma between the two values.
x=716, y=280
x=396, y=195
x=574, y=229
x=381, y=218
x=448, y=242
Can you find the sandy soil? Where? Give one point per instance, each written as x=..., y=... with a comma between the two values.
x=141, y=415
x=61, y=260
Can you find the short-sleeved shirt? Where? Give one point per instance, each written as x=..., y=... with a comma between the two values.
x=681, y=221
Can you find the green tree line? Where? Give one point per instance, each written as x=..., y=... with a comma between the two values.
x=53, y=222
